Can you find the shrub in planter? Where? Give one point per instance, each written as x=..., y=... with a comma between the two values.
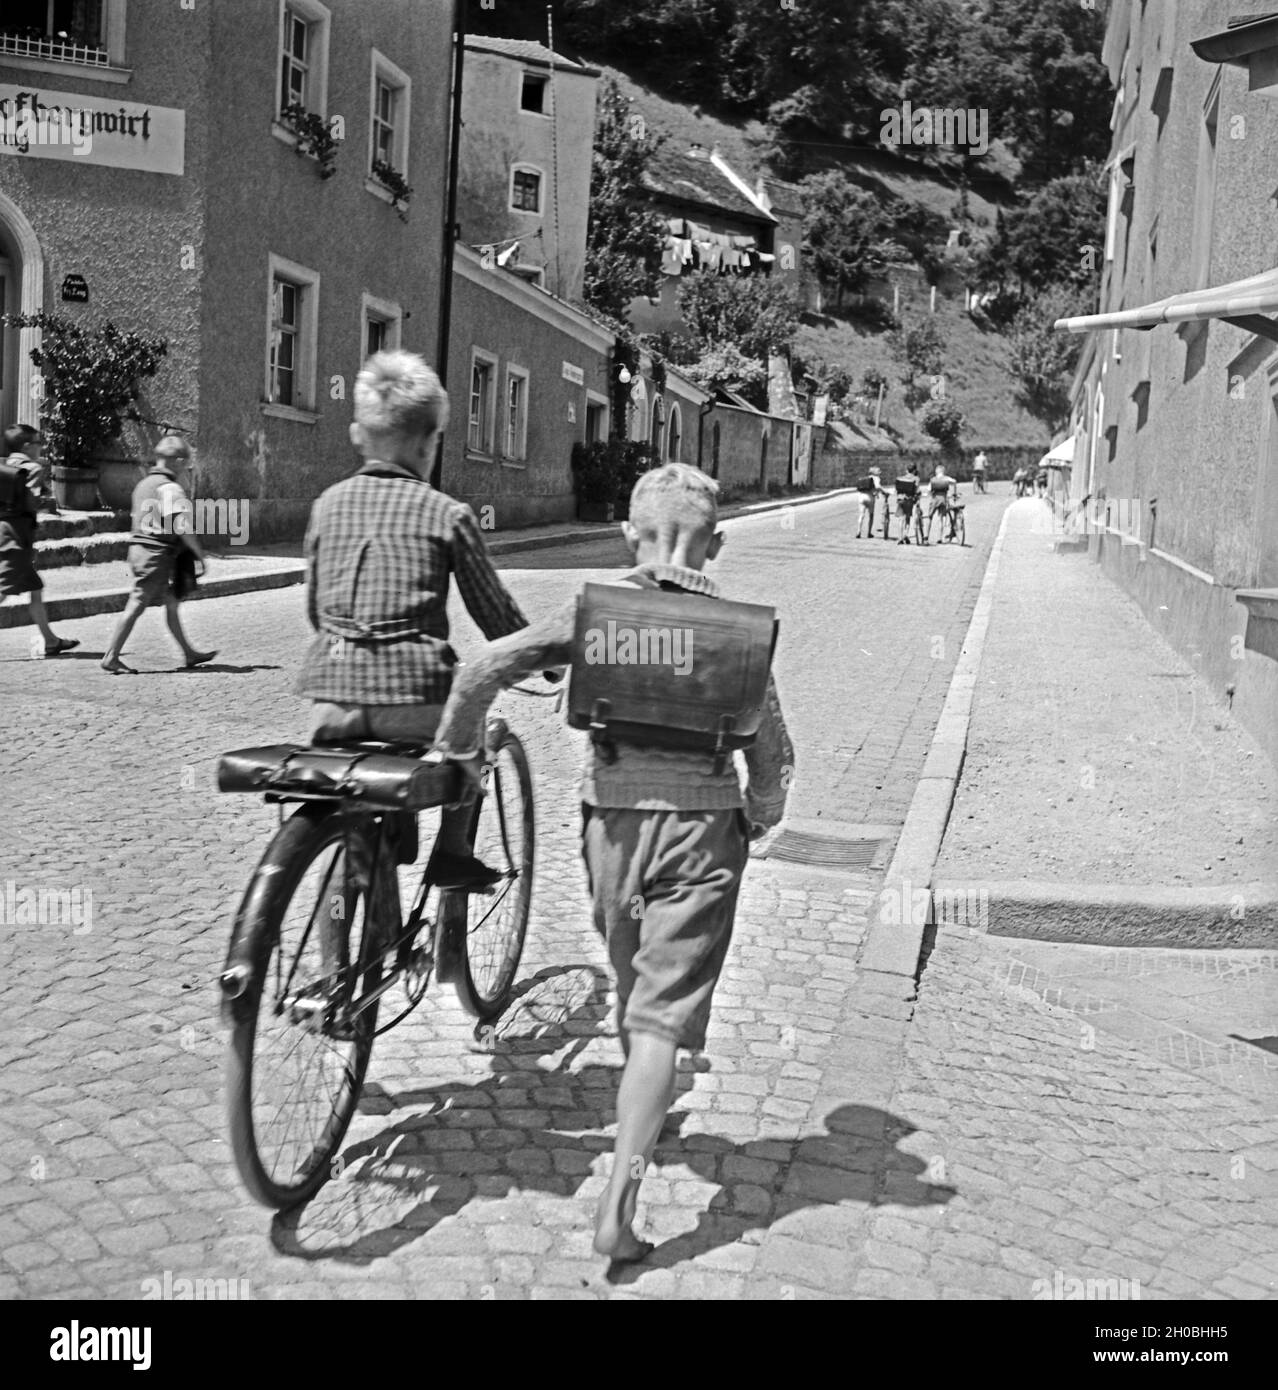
x=92, y=379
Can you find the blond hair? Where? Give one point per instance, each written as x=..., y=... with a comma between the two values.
x=674, y=498
x=396, y=393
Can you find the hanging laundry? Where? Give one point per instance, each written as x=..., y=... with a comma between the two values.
x=671, y=260
x=685, y=251
x=743, y=243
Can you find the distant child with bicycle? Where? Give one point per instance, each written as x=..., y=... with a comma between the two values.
x=665, y=829
x=380, y=548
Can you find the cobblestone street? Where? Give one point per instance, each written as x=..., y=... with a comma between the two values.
x=833, y=1146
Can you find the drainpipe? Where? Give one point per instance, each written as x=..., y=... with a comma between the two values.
x=450, y=218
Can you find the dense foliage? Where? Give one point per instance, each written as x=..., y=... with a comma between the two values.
x=823, y=72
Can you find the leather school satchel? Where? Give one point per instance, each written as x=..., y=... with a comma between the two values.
x=669, y=669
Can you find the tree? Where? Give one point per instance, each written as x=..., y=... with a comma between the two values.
x=1042, y=358
x=920, y=351
x=755, y=313
x=943, y=420
x=724, y=365
x=1053, y=237
x=844, y=233
x=624, y=236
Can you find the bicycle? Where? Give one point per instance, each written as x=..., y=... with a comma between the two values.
x=319, y=938
x=958, y=523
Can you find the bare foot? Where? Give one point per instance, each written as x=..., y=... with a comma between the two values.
x=614, y=1238
x=117, y=668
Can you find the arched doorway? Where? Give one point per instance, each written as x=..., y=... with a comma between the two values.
x=714, y=451
x=763, y=461
x=21, y=292
x=674, y=434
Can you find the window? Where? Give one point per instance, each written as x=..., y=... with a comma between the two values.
x=532, y=96
x=379, y=325
x=291, y=330
x=304, y=28
x=483, y=380
x=674, y=435
x=70, y=31
x=515, y=415
x=1205, y=189
x=525, y=190
x=388, y=120
x=596, y=419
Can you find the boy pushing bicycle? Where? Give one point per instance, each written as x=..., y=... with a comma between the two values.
x=663, y=827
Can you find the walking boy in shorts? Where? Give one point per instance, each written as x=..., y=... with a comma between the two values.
x=665, y=837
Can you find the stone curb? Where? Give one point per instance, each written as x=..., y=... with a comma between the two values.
x=113, y=600
x=514, y=544
x=894, y=941
x=1234, y=917
x=73, y=606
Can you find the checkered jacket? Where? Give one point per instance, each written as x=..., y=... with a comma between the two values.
x=380, y=548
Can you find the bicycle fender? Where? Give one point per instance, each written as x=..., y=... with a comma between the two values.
x=450, y=937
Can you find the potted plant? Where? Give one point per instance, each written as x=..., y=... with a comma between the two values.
x=91, y=380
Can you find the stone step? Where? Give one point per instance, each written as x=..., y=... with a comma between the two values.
x=87, y=549
x=66, y=524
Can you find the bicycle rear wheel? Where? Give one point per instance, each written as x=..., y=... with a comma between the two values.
x=496, y=923
x=960, y=529
x=298, y=1054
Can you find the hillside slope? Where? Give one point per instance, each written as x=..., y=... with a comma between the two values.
x=976, y=372
x=976, y=359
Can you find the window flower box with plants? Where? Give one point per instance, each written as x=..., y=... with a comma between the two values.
x=395, y=184
x=314, y=136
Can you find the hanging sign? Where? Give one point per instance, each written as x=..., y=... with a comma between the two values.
x=75, y=290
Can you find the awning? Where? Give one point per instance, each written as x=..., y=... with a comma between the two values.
x=1244, y=303
x=1060, y=455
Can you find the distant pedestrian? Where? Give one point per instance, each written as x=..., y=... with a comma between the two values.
x=21, y=476
x=868, y=491
x=162, y=530
x=980, y=465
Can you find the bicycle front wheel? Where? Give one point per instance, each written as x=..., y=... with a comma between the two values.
x=495, y=923
x=300, y=1043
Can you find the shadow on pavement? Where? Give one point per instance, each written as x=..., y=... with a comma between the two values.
x=490, y=1139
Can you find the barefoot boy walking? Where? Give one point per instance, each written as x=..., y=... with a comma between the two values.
x=661, y=827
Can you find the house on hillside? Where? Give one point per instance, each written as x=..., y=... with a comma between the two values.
x=182, y=208
x=1175, y=400
x=716, y=224
x=528, y=120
